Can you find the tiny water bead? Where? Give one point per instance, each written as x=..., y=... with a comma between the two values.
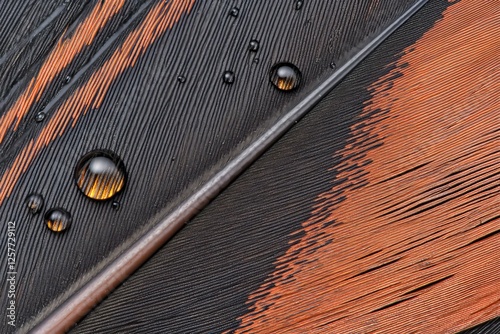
x=228, y=77
x=115, y=205
x=58, y=220
x=333, y=66
x=100, y=174
x=34, y=202
x=299, y=4
x=40, y=116
x=234, y=12
x=181, y=79
x=285, y=76
x=253, y=46
x=67, y=79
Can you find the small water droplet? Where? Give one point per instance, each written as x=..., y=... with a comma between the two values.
x=67, y=79
x=181, y=79
x=40, y=116
x=256, y=60
x=253, y=46
x=299, y=4
x=115, y=205
x=285, y=76
x=333, y=66
x=228, y=77
x=235, y=11
x=58, y=220
x=100, y=174
x=34, y=202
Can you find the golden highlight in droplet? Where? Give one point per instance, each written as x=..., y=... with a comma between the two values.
x=285, y=83
x=55, y=226
x=58, y=220
x=100, y=175
x=285, y=76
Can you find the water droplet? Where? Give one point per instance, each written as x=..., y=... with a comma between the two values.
x=115, y=205
x=34, y=202
x=100, y=174
x=285, y=76
x=67, y=79
x=333, y=66
x=256, y=60
x=228, y=77
x=253, y=46
x=40, y=116
x=181, y=79
x=299, y=4
x=58, y=220
x=234, y=12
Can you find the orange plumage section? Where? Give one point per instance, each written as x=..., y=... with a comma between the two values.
x=414, y=244
x=60, y=57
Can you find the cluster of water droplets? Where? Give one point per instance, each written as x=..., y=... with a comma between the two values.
x=100, y=175
x=284, y=76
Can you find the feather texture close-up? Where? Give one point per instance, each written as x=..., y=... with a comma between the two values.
x=287, y=166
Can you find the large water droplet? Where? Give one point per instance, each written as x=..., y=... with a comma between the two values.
x=100, y=174
x=34, y=202
x=253, y=46
x=58, y=219
x=228, y=77
x=285, y=76
x=234, y=12
x=299, y=4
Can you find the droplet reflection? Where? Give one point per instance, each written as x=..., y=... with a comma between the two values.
x=100, y=175
x=253, y=46
x=234, y=12
x=40, y=116
x=285, y=76
x=228, y=77
x=58, y=220
x=34, y=202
